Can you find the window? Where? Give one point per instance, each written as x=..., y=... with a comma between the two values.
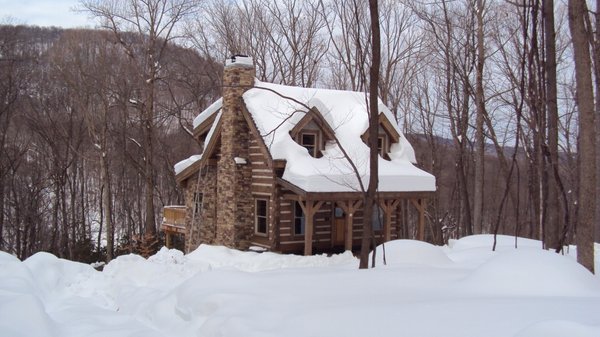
x=377, y=218
x=299, y=219
x=261, y=216
x=198, y=202
x=309, y=142
x=338, y=212
x=381, y=145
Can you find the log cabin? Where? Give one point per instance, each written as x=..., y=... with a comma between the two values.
x=282, y=168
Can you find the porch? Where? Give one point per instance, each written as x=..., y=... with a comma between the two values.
x=345, y=221
x=173, y=223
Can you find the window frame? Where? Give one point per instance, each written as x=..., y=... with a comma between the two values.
x=258, y=216
x=316, y=148
x=384, y=149
x=301, y=218
x=198, y=199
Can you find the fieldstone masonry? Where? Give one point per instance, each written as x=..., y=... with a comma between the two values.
x=234, y=198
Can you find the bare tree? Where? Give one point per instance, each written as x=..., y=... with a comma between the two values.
x=585, y=102
x=350, y=40
x=156, y=24
x=481, y=113
x=369, y=203
x=552, y=229
x=13, y=78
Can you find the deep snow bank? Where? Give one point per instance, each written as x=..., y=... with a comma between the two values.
x=465, y=288
x=409, y=252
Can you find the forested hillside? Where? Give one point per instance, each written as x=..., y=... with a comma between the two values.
x=70, y=121
x=91, y=122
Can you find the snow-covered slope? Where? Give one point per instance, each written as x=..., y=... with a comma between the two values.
x=463, y=289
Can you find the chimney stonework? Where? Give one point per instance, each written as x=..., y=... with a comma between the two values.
x=235, y=205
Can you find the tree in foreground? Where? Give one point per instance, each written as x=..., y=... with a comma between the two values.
x=585, y=103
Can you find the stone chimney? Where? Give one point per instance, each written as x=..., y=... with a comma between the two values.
x=235, y=225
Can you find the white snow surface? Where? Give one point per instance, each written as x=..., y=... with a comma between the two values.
x=346, y=114
x=463, y=289
x=182, y=165
x=211, y=110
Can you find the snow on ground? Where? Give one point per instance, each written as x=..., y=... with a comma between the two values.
x=463, y=289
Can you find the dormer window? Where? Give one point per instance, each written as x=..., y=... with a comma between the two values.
x=383, y=143
x=312, y=132
x=382, y=147
x=309, y=141
x=386, y=136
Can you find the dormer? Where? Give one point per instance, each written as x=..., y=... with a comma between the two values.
x=386, y=136
x=312, y=132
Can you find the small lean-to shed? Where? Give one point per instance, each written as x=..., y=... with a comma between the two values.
x=273, y=171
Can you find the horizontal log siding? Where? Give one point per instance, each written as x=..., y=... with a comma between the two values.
x=323, y=223
x=263, y=186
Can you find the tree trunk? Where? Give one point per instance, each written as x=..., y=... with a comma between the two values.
x=479, y=137
x=367, y=237
x=107, y=206
x=596, y=57
x=2, y=197
x=552, y=228
x=150, y=227
x=101, y=225
x=585, y=102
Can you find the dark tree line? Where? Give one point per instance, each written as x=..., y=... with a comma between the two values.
x=72, y=154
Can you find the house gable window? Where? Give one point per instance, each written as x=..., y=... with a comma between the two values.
x=261, y=216
x=299, y=220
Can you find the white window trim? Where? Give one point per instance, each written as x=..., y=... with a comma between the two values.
x=266, y=216
x=314, y=133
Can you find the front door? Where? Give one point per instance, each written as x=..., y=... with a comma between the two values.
x=339, y=225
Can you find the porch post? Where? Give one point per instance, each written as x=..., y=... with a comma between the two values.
x=310, y=208
x=308, y=230
x=421, y=220
x=349, y=225
x=168, y=239
x=349, y=207
x=388, y=207
x=420, y=206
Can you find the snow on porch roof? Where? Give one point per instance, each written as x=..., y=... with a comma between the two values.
x=346, y=113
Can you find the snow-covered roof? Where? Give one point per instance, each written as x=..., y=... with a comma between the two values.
x=346, y=113
x=182, y=165
x=208, y=112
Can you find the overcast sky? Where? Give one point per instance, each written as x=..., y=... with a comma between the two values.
x=43, y=13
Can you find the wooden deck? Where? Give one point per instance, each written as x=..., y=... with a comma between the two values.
x=173, y=222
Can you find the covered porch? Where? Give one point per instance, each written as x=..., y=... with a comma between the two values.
x=345, y=206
